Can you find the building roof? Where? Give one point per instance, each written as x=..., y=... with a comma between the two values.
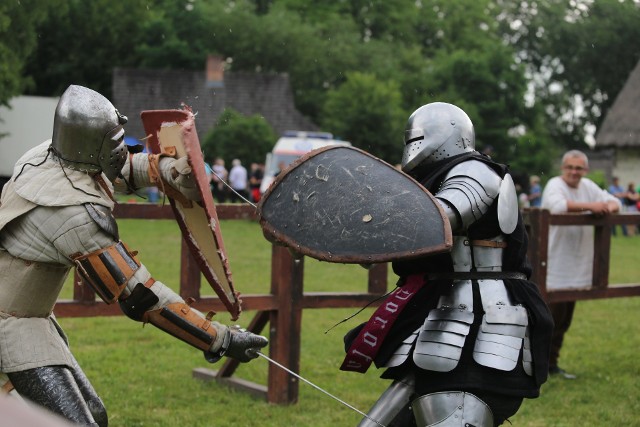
x=270, y=95
x=621, y=125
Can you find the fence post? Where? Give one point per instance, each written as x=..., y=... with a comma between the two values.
x=377, y=283
x=538, y=221
x=81, y=292
x=285, y=325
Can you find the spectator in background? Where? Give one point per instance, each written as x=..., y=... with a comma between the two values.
x=631, y=205
x=218, y=176
x=257, y=173
x=535, y=192
x=619, y=192
x=238, y=180
x=570, y=260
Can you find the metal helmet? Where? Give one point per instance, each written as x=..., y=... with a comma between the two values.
x=434, y=132
x=88, y=133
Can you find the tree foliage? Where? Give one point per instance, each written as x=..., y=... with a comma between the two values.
x=366, y=112
x=18, y=39
x=246, y=138
x=579, y=54
x=519, y=69
x=81, y=42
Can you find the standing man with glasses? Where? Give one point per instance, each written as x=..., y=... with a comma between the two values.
x=570, y=259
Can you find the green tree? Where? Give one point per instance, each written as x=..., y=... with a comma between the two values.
x=247, y=138
x=18, y=38
x=579, y=56
x=81, y=42
x=367, y=112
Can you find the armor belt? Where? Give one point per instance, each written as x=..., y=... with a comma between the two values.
x=108, y=270
x=477, y=275
x=27, y=288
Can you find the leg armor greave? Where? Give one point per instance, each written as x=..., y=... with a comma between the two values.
x=55, y=388
x=452, y=409
x=389, y=405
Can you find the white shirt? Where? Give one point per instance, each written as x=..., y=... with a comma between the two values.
x=570, y=263
x=238, y=177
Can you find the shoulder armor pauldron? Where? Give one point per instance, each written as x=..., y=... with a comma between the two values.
x=471, y=188
x=102, y=216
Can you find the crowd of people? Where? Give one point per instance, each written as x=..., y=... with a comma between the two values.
x=236, y=185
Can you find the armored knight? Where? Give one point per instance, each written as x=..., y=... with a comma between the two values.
x=474, y=340
x=55, y=214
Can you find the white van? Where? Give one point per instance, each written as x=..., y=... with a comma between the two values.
x=291, y=145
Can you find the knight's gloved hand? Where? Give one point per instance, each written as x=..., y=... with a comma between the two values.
x=178, y=174
x=236, y=343
x=244, y=345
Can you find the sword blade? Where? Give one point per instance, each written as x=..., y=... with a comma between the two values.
x=319, y=388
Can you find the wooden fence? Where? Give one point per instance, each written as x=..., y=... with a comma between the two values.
x=282, y=308
x=538, y=222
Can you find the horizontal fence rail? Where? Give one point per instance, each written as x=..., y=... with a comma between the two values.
x=538, y=222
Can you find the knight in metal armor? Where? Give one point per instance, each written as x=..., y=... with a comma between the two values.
x=55, y=214
x=473, y=341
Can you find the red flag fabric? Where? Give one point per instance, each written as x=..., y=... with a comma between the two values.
x=366, y=345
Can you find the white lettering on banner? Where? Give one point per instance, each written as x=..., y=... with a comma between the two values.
x=352, y=364
x=404, y=295
x=391, y=307
x=358, y=353
x=370, y=339
x=383, y=322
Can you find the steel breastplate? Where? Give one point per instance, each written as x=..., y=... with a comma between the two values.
x=29, y=289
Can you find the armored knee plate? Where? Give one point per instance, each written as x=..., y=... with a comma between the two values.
x=389, y=405
x=452, y=409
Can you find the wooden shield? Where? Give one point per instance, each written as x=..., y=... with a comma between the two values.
x=341, y=204
x=167, y=129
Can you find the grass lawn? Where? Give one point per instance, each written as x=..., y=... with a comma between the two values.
x=145, y=376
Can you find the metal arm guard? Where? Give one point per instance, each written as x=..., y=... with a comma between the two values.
x=108, y=270
x=470, y=188
x=179, y=320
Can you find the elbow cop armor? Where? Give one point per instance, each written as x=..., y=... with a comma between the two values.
x=108, y=270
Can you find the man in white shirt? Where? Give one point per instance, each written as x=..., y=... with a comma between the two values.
x=238, y=179
x=571, y=245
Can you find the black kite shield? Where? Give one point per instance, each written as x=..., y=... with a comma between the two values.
x=341, y=204
x=174, y=130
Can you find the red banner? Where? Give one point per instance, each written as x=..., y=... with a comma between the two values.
x=368, y=342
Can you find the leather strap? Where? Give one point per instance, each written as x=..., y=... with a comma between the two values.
x=485, y=243
x=104, y=186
